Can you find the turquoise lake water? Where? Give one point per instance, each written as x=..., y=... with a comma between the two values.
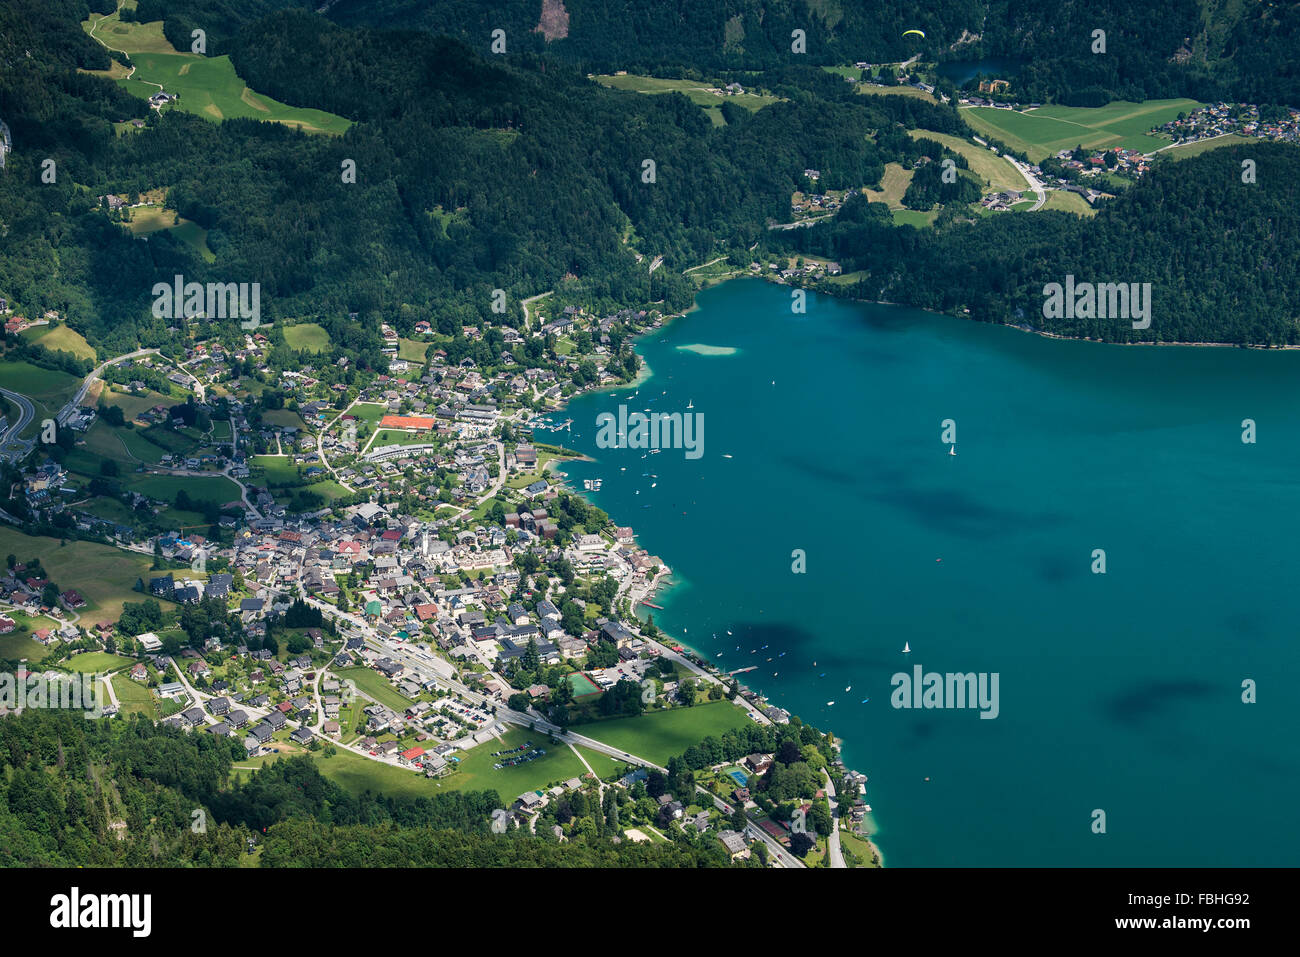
x=1118, y=691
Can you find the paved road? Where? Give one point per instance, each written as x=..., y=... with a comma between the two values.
x=834, y=852
x=1032, y=180
x=90, y=379
x=10, y=444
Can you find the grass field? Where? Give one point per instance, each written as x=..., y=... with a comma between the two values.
x=375, y=685
x=60, y=338
x=357, y=775
x=914, y=217
x=696, y=91
x=1068, y=202
x=1050, y=129
x=1186, y=150
x=200, y=488
x=48, y=389
x=869, y=89
x=133, y=405
x=127, y=37
x=413, y=350
x=475, y=771
x=104, y=576
x=14, y=646
x=96, y=662
x=134, y=698
x=995, y=171
x=893, y=184
x=146, y=220
x=659, y=735
x=209, y=87
x=307, y=337
x=283, y=417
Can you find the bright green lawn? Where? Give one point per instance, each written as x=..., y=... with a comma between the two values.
x=659, y=735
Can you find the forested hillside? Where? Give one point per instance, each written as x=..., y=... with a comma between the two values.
x=121, y=793
x=1178, y=48
x=476, y=172
x=1220, y=254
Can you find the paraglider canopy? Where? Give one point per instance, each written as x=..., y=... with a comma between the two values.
x=919, y=33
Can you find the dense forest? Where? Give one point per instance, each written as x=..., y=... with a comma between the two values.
x=472, y=174
x=1177, y=48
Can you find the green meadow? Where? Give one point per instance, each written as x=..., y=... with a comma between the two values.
x=697, y=91
x=659, y=735
x=209, y=87
x=1049, y=129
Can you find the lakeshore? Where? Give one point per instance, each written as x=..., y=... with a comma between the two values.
x=913, y=522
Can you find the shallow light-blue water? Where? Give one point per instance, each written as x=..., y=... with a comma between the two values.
x=1118, y=691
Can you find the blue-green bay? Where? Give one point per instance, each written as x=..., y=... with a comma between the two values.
x=1119, y=692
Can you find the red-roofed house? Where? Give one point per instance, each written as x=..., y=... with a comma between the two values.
x=410, y=755
x=425, y=612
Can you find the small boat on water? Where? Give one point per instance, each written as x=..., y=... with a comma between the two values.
x=728, y=632
x=691, y=404
x=829, y=703
x=849, y=688
x=725, y=455
x=907, y=648
x=952, y=450
x=865, y=700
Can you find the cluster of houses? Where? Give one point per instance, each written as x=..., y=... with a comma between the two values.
x=1243, y=119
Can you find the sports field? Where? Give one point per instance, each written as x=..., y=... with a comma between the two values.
x=1049, y=129
x=582, y=685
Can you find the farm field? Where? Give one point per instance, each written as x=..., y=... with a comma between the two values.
x=208, y=86
x=60, y=338
x=995, y=171
x=1048, y=130
x=103, y=575
x=127, y=37
x=659, y=735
